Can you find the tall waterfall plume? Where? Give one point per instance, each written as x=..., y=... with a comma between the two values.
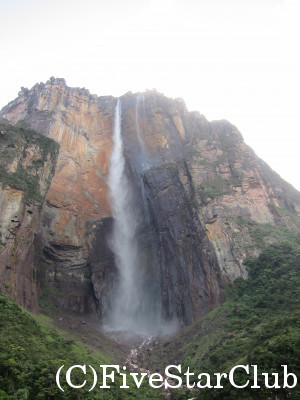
x=135, y=305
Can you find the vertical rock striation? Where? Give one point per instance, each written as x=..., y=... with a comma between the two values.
x=200, y=191
x=27, y=162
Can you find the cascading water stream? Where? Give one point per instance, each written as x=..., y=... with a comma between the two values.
x=137, y=125
x=144, y=163
x=134, y=305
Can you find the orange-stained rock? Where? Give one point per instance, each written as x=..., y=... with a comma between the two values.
x=205, y=190
x=82, y=125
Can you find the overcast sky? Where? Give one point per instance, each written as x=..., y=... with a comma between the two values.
x=232, y=59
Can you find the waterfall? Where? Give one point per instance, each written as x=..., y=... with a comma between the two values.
x=135, y=305
x=137, y=125
x=144, y=161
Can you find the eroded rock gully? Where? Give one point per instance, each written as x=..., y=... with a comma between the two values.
x=196, y=185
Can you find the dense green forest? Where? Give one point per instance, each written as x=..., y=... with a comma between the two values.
x=31, y=353
x=258, y=324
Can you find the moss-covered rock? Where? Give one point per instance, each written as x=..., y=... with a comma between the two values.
x=27, y=161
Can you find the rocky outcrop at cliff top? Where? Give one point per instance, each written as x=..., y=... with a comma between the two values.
x=206, y=192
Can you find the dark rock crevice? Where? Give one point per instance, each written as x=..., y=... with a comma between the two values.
x=193, y=183
x=191, y=278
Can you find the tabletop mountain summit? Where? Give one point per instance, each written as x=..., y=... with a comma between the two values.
x=130, y=207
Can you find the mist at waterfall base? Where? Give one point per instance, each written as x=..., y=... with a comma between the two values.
x=136, y=299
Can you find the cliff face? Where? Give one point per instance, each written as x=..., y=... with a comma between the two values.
x=27, y=162
x=202, y=194
x=77, y=200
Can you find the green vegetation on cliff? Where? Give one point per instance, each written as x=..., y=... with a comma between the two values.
x=214, y=188
x=251, y=235
x=31, y=353
x=258, y=324
x=25, y=152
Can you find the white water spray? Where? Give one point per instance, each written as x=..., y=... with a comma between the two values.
x=132, y=308
x=143, y=158
x=137, y=124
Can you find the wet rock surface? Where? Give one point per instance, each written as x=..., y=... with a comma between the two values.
x=197, y=187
